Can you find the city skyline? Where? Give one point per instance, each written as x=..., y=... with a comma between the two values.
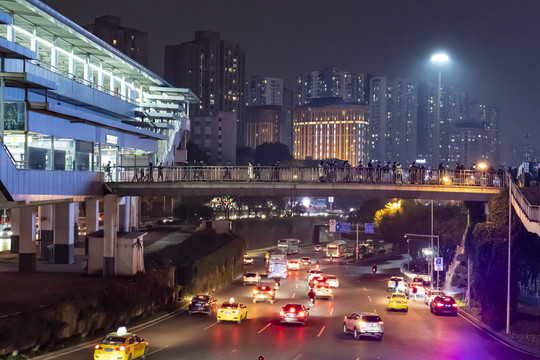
x=487, y=41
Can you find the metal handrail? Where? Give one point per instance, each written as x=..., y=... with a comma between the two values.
x=303, y=175
x=531, y=211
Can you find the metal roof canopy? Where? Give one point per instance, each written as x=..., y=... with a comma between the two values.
x=49, y=24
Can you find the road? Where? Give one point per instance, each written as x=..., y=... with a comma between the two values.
x=417, y=334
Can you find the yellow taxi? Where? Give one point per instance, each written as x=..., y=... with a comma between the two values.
x=232, y=311
x=398, y=301
x=121, y=345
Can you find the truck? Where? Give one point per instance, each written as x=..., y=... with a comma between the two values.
x=276, y=265
x=289, y=246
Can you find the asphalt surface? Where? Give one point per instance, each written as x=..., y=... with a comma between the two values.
x=417, y=334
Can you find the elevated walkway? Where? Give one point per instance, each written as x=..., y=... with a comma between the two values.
x=526, y=203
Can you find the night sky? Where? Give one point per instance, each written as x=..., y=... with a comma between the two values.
x=494, y=44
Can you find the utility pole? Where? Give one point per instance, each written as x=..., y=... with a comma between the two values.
x=431, y=262
x=357, y=250
x=509, y=254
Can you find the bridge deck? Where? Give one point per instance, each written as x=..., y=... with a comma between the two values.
x=532, y=194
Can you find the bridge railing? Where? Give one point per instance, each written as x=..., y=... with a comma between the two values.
x=304, y=175
x=532, y=212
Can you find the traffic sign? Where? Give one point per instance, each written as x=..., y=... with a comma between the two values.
x=343, y=227
x=332, y=225
x=368, y=228
x=438, y=264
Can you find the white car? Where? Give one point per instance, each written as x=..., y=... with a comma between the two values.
x=395, y=283
x=252, y=278
x=314, y=273
x=364, y=324
x=332, y=280
x=293, y=265
x=6, y=232
x=416, y=289
x=431, y=294
x=248, y=260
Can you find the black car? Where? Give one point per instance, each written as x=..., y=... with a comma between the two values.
x=202, y=304
x=444, y=305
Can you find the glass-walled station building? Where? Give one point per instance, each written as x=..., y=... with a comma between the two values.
x=71, y=102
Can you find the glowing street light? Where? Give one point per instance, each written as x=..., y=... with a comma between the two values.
x=439, y=59
x=482, y=166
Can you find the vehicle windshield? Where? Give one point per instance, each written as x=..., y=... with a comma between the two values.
x=372, y=318
x=113, y=340
x=398, y=296
x=229, y=306
x=250, y=275
x=201, y=298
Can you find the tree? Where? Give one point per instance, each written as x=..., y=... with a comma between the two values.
x=268, y=153
x=244, y=155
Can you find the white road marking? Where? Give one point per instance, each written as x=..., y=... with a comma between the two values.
x=264, y=328
x=233, y=351
x=331, y=311
x=298, y=357
x=157, y=350
x=297, y=285
x=369, y=297
x=209, y=326
x=320, y=332
x=364, y=288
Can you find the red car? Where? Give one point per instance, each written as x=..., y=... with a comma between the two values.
x=294, y=313
x=444, y=305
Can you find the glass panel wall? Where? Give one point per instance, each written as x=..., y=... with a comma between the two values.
x=64, y=154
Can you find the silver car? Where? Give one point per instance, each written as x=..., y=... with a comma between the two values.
x=361, y=324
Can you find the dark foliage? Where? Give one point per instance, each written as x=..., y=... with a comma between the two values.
x=268, y=153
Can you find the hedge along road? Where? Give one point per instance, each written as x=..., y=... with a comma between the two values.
x=181, y=336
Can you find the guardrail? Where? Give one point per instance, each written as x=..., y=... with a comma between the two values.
x=301, y=175
x=532, y=212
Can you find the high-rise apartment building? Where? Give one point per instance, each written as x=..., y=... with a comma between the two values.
x=214, y=69
x=393, y=119
x=133, y=43
x=330, y=128
x=263, y=124
x=331, y=82
x=264, y=91
x=287, y=132
x=216, y=136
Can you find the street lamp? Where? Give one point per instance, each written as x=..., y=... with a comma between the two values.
x=439, y=59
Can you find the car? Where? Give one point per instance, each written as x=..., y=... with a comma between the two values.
x=323, y=291
x=294, y=313
x=398, y=301
x=121, y=345
x=415, y=288
x=314, y=273
x=6, y=232
x=364, y=324
x=305, y=261
x=318, y=247
x=431, y=294
x=232, y=311
x=252, y=278
x=248, y=260
x=444, y=305
x=168, y=220
x=293, y=265
x=332, y=280
x=264, y=293
x=321, y=279
x=395, y=282
x=202, y=304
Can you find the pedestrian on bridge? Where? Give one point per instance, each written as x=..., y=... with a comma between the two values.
x=160, y=171
x=108, y=172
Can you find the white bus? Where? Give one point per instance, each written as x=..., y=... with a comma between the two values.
x=276, y=264
x=289, y=246
x=335, y=249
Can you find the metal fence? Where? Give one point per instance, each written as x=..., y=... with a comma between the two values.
x=303, y=175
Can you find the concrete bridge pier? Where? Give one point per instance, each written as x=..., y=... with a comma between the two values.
x=92, y=215
x=23, y=224
x=64, y=237
x=46, y=228
x=110, y=236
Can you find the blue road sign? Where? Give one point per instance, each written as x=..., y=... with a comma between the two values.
x=438, y=264
x=368, y=228
x=343, y=227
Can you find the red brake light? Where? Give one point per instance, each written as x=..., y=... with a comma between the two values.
x=439, y=304
x=190, y=302
x=97, y=347
x=454, y=305
x=219, y=310
x=292, y=310
x=122, y=348
x=380, y=322
x=301, y=314
x=282, y=313
x=271, y=292
x=236, y=311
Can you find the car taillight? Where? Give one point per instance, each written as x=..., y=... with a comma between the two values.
x=235, y=311
x=282, y=313
x=454, y=305
x=292, y=310
x=271, y=292
x=380, y=322
x=121, y=348
x=255, y=291
x=301, y=314
x=190, y=302
x=440, y=304
x=97, y=347
x=219, y=310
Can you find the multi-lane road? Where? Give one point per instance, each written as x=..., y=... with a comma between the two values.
x=417, y=334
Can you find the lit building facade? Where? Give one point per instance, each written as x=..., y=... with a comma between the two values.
x=287, y=132
x=263, y=125
x=331, y=82
x=214, y=69
x=132, y=42
x=331, y=129
x=393, y=119
x=262, y=91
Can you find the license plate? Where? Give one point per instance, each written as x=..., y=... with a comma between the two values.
x=109, y=350
x=227, y=312
x=398, y=302
x=291, y=315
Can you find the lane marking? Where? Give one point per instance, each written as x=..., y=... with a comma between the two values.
x=157, y=350
x=369, y=297
x=297, y=285
x=331, y=311
x=364, y=288
x=320, y=332
x=293, y=295
x=209, y=326
x=298, y=357
x=496, y=339
x=233, y=351
x=264, y=328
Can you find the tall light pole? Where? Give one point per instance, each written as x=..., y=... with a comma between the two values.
x=509, y=254
x=438, y=59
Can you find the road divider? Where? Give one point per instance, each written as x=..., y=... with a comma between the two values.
x=264, y=328
x=320, y=332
